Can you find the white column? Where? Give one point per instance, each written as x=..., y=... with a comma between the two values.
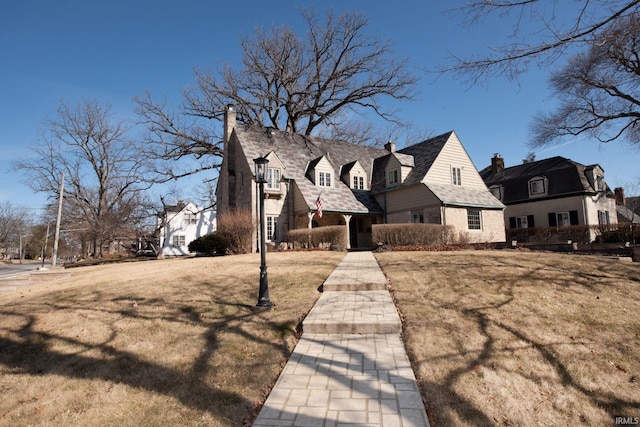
x=347, y=220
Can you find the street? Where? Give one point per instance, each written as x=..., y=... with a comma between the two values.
x=10, y=270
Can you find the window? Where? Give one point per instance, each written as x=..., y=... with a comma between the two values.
x=271, y=227
x=473, y=219
x=521, y=222
x=563, y=219
x=536, y=186
x=190, y=218
x=496, y=190
x=178, y=240
x=456, y=176
x=603, y=217
x=393, y=177
x=417, y=217
x=358, y=183
x=600, y=183
x=324, y=179
x=273, y=178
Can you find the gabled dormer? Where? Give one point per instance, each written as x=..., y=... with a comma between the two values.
x=595, y=176
x=321, y=172
x=355, y=176
x=274, y=173
x=398, y=168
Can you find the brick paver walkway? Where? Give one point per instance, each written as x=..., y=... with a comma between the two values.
x=350, y=366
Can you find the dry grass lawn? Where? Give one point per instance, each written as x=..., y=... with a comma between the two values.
x=508, y=338
x=173, y=342
x=496, y=338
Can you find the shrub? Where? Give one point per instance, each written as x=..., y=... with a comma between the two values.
x=619, y=233
x=575, y=233
x=332, y=235
x=412, y=234
x=237, y=226
x=210, y=244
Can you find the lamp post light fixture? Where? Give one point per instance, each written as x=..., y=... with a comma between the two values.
x=263, y=295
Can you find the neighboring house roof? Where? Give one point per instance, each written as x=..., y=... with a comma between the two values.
x=633, y=203
x=564, y=177
x=627, y=215
x=297, y=153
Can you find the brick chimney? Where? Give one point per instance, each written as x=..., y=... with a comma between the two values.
x=390, y=146
x=497, y=163
x=620, y=200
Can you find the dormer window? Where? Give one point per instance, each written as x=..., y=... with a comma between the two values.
x=324, y=179
x=496, y=190
x=358, y=183
x=272, y=176
x=537, y=186
x=393, y=177
x=600, y=183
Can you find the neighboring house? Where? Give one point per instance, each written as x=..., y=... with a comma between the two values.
x=625, y=207
x=357, y=186
x=181, y=224
x=553, y=192
x=633, y=203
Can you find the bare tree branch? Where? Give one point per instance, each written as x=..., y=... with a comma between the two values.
x=104, y=171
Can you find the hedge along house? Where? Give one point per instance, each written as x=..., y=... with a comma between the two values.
x=554, y=192
x=315, y=182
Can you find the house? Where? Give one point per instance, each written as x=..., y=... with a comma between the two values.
x=181, y=224
x=554, y=192
x=355, y=186
x=625, y=207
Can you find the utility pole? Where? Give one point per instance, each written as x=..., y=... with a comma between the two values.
x=54, y=259
x=44, y=248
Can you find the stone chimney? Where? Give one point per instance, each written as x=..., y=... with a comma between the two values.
x=229, y=122
x=620, y=200
x=497, y=163
x=390, y=146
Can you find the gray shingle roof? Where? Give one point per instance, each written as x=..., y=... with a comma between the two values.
x=423, y=154
x=564, y=177
x=296, y=152
x=627, y=215
x=454, y=195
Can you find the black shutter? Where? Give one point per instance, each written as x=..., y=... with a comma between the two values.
x=512, y=222
x=573, y=217
x=530, y=221
x=553, y=220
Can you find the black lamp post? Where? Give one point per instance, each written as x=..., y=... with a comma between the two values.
x=263, y=295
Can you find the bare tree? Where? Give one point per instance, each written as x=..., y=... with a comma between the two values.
x=599, y=90
x=304, y=85
x=13, y=223
x=598, y=87
x=103, y=170
x=546, y=39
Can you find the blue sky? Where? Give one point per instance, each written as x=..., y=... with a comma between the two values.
x=74, y=50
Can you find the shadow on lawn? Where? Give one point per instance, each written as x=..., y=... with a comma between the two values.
x=491, y=330
x=468, y=410
x=30, y=352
